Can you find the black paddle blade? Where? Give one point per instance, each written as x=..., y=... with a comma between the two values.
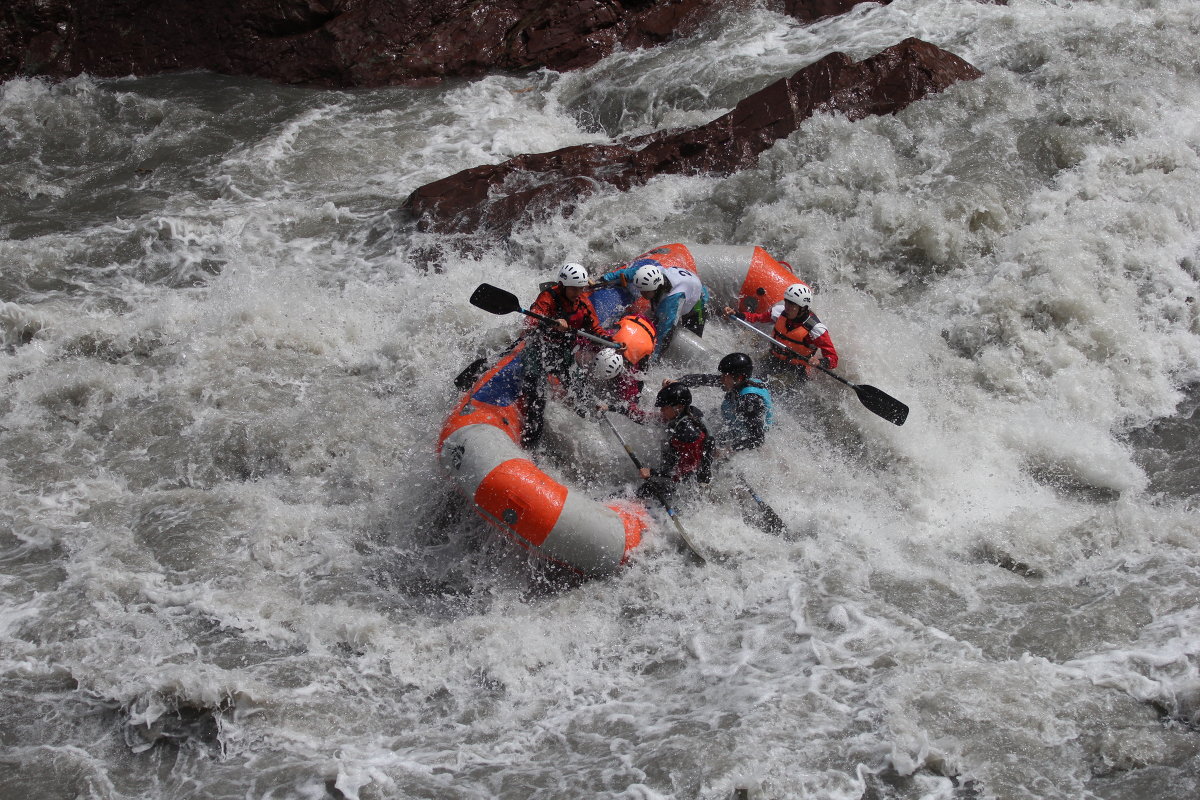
x=765, y=519
x=881, y=403
x=495, y=300
x=695, y=554
x=466, y=379
x=761, y=516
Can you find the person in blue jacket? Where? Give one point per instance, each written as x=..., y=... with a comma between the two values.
x=670, y=296
x=746, y=411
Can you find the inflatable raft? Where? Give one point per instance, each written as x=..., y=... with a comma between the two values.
x=479, y=444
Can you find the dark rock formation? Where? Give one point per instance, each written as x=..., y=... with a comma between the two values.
x=342, y=42
x=490, y=199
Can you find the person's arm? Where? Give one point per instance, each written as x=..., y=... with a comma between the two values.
x=670, y=457
x=618, y=276
x=698, y=379
x=543, y=305
x=825, y=344
x=768, y=316
x=665, y=317
x=591, y=323
x=757, y=316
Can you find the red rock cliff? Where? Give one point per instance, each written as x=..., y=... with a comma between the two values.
x=342, y=43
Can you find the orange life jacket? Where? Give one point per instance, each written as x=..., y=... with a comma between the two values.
x=794, y=338
x=637, y=333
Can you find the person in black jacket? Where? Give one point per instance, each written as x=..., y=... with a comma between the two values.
x=686, y=450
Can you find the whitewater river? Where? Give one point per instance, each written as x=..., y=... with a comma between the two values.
x=229, y=568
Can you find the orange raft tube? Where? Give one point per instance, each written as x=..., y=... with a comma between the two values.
x=745, y=275
x=479, y=450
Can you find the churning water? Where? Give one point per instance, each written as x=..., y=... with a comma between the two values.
x=229, y=568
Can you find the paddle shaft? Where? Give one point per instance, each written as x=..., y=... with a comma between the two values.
x=589, y=336
x=632, y=455
x=670, y=511
x=544, y=285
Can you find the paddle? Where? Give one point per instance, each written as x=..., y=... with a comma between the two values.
x=670, y=511
x=495, y=300
x=877, y=401
x=471, y=373
x=766, y=518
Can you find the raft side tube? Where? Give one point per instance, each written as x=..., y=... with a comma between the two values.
x=537, y=512
x=686, y=349
x=744, y=276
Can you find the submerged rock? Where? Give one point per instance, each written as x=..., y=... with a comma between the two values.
x=490, y=199
x=344, y=43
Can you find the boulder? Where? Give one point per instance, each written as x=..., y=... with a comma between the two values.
x=491, y=199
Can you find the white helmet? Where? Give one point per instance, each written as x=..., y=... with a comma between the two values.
x=648, y=278
x=609, y=364
x=799, y=294
x=573, y=275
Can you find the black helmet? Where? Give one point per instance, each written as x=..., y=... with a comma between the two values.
x=736, y=364
x=673, y=394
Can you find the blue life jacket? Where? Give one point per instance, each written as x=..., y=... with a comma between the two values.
x=753, y=386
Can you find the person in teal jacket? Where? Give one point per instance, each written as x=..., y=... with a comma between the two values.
x=746, y=411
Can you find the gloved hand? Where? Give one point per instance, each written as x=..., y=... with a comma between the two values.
x=825, y=362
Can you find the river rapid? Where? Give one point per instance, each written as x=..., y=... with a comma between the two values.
x=229, y=567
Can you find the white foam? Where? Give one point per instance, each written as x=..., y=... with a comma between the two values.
x=219, y=486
